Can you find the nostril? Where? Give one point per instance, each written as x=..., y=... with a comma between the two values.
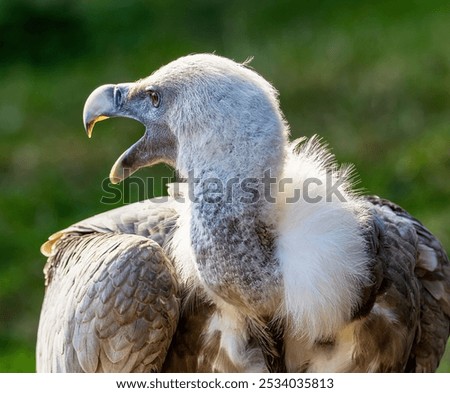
x=117, y=97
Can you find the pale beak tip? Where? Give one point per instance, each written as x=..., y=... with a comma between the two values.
x=114, y=180
x=89, y=125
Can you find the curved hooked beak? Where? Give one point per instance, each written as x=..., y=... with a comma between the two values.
x=104, y=102
x=157, y=145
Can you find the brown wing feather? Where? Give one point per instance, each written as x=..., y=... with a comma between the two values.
x=424, y=274
x=110, y=306
x=188, y=352
x=154, y=219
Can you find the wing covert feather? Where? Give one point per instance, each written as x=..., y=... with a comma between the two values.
x=430, y=273
x=117, y=306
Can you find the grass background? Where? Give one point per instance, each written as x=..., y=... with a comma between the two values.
x=373, y=78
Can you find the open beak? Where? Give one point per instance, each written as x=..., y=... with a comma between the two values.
x=157, y=145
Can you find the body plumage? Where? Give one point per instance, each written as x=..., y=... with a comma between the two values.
x=239, y=272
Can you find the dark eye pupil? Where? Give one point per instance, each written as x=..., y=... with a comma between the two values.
x=155, y=98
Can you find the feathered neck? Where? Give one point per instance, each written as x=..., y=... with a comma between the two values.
x=232, y=214
x=313, y=253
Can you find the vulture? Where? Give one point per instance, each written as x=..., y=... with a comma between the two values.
x=262, y=258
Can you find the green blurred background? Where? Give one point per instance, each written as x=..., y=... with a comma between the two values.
x=373, y=78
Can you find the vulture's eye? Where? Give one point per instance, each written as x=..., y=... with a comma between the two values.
x=154, y=97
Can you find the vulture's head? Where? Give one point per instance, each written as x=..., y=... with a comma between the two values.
x=200, y=112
